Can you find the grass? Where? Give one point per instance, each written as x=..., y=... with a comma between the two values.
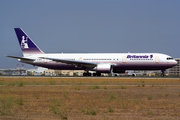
x=65, y=94
x=52, y=82
x=6, y=103
x=91, y=111
x=150, y=112
x=56, y=108
x=20, y=101
x=68, y=100
x=95, y=87
x=80, y=83
x=112, y=96
x=2, y=83
x=77, y=88
x=123, y=87
x=143, y=83
x=88, y=110
x=105, y=87
x=20, y=83
x=149, y=97
x=110, y=110
x=11, y=84
x=37, y=83
x=37, y=96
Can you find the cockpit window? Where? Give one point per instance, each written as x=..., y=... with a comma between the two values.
x=169, y=58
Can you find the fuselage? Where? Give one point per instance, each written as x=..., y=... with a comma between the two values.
x=121, y=61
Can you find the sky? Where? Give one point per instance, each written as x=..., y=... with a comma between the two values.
x=90, y=26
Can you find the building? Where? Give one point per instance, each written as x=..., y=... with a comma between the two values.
x=175, y=71
x=50, y=72
x=39, y=71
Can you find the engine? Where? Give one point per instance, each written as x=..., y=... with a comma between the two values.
x=103, y=68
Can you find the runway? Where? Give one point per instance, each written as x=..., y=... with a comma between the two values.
x=91, y=77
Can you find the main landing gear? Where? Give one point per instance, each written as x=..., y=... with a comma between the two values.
x=86, y=74
x=89, y=74
x=96, y=74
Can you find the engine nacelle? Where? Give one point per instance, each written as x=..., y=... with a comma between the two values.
x=103, y=68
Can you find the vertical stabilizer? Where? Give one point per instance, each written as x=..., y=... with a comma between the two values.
x=28, y=47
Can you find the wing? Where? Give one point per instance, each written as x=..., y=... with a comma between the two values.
x=21, y=58
x=74, y=62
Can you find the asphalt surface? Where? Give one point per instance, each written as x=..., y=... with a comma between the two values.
x=90, y=77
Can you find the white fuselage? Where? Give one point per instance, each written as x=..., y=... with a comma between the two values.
x=121, y=61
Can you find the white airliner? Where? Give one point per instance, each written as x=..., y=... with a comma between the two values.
x=98, y=62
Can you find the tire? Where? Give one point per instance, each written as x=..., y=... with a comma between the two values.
x=94, y=74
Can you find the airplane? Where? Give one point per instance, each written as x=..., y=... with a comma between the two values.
x=98, y=62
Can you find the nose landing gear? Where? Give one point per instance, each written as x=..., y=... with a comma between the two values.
x=162, y=74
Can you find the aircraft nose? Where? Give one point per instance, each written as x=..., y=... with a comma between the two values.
x=176, y=62
x=173, y=63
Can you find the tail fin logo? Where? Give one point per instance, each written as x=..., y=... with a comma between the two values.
x=24, y=43
x=27, y=46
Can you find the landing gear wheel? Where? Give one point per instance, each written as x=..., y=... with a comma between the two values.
x=162, y=74
x=98, y=74
x=94, y=74
x=86, y=74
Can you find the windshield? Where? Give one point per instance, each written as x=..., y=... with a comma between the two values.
x=169, y=58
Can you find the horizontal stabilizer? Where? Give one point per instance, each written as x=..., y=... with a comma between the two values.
x=20, y=58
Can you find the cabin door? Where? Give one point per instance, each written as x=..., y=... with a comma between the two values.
x=157, y=60
x=80, y=59
x=124, y=59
